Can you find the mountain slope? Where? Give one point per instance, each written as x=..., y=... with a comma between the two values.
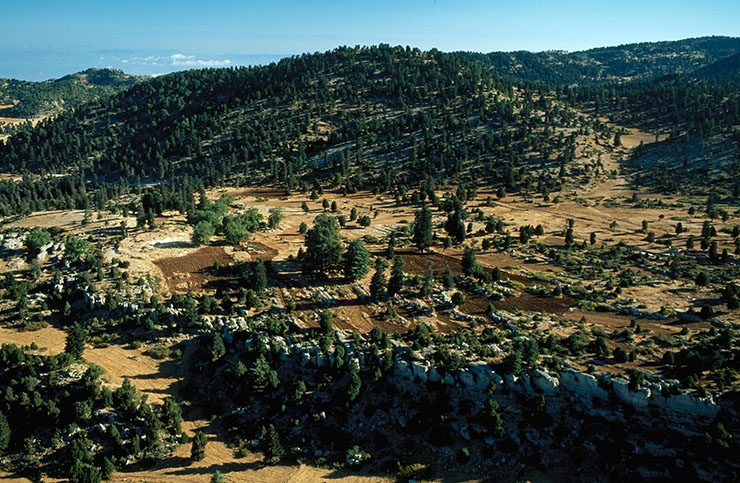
x=624, y=62
x=361, y=118
x=725, y=69
x=36, y=99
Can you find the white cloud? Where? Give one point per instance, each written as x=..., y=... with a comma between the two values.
x=182, y=60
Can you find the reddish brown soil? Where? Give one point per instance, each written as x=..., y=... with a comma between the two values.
x=195, y=271
x=259, y=193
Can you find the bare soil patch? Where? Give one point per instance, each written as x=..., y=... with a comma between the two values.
x=195, y=271
x=50, y=340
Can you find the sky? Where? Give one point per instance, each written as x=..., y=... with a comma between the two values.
x=46, y=39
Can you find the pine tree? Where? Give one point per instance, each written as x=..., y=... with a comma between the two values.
x=259, y=276
x=4, y=433
x=355, y=384
x=378, y=282
x=447, y=280
x=198, y=449
x=75, y=345
x=324, y=250
x=422, y=237
x=274, y=449
x=469, y=262
x=426, y=287
x=356, y=261
x=396, y=281
x=391, y=252
x=125, y=396
x=218, y=349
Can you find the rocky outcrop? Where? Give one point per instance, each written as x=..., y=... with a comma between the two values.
x=639, y=399
x=582, y=384
x=544, y=382
x=478, y=376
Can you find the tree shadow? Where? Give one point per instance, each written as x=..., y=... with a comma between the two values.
x=224, y=468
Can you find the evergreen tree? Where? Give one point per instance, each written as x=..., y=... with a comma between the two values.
x=218, y=349
x=391, y=252
x=259, y=276
x=469, y=262
x=356, y=261
x=273, y=449
x=84, y=473
x=75, y=345
x=447, y=280
x=125, y=396
x=324, y=250
x=422, y=236
x=378, y=282
x=198, y=448
x=355, y=384
x=426, y=287
x=326, y=322
x=4, y=433
x=396, y=281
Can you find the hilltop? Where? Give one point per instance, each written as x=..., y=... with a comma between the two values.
x=40, y=99
x=609, y=64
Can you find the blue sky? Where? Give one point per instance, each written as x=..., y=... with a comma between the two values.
x=42, y=39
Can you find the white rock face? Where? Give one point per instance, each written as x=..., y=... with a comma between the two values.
x=420, y=370
x=639, y=399
x=434, y=375
x=687, y=404
x=483, y=374
x=544, y=382
x=583, y=384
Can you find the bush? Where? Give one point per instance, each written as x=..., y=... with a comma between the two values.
x=458, y=298
x=620, y=355
x=202, y=233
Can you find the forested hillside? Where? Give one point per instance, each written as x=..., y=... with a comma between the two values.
x=36, y=99
x=359, y=118
x=624, y=62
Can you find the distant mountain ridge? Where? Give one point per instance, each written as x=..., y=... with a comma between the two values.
x=36, y=99
x=725, y=69
x=623, y=62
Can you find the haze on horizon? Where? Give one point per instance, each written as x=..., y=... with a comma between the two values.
x=38, y=42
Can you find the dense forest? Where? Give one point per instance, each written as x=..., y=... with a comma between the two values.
x=359, y=118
